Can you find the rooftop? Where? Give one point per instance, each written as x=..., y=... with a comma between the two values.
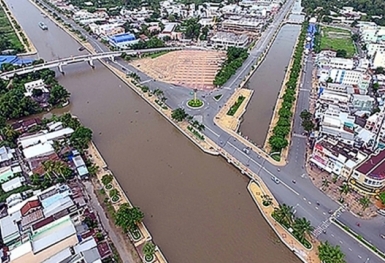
x=43, y=137
x=122, y=38
x=374, y=166
x=337, y=148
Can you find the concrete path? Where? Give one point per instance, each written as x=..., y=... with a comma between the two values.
x=117, y=238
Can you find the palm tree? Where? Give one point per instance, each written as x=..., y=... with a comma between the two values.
x=266, y=200
x=364, y=202
x=201, y=127
x=284, y=214
x=93, y=169
x=330, y=254
x=325, y=183
x=9, y=133
x=344, y=189
x=302, y=228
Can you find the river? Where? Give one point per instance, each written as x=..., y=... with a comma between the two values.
x=196, y=206
x=266, y=83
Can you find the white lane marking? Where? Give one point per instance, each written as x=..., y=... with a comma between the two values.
x=350, y=249
x=316, y=207
x=213, y=132
x=332, y=235
x=359, y=256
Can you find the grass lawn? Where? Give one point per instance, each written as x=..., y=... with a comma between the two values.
x=337, y=38
x=8, y=37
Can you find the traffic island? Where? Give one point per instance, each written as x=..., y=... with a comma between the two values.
x=260, y=193
x=195, y=103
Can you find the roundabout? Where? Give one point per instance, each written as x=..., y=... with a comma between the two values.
x=195, y=103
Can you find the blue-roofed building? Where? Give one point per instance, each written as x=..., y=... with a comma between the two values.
x=14, y=60
x=122, y=40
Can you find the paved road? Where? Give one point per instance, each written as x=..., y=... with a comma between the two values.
x=302, y=195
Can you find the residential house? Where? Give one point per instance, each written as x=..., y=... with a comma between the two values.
x=7, y=155
x=335, y=157
x=351, y=77
x=334, y=62
x=34, y=85
x=79, y=164
x=362, y=102
x=13, y=184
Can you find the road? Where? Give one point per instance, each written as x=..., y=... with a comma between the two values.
x=302, y=195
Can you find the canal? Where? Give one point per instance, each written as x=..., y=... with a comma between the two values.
x=266, y=83
x=196, y=206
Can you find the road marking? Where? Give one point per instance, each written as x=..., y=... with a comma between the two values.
x=143, y=82
x=309, y=203
x=316, y=207
x=304, y=198
x=324, y=213
x=359, y=256
x=213, y=132
x=228, y=88
x=350, y=249
x=264, y=168
x=341, y=242
x=332, y=235
x=299, y=135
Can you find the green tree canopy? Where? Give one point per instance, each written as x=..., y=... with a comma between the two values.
x=330, y=254
x=128, y=217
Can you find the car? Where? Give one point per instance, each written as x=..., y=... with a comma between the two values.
x=275, y=179
x=81, y=48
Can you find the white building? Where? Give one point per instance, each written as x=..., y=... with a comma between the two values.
x=351, y=77
x=379, y=59
x=372, y=48
x=225, y=40
x=34, y=85
x=107, y=29
x=338, y=63
x=13, y=184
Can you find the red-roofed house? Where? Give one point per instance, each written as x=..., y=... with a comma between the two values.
x=29, y=207
x=369, y=176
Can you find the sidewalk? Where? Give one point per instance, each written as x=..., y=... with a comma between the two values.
x=332, y=190
x=306, y=255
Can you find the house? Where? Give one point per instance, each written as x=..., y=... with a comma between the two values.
x=13, y=184
x=80, y=165
x=38, y=150
x=362, y=102
x=34, y=85
x=351, y=77
x=43, y=136
x=335, y=157
x=6, y=155
x=369, y=176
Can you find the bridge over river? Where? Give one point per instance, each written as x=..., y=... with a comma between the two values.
x=89, y=58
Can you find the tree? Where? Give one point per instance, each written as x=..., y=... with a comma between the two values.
x=355, y=37
x=278, y=143
x=58, y=95
x=382, y=197
x=341, y=53
x=330, y=254
x=302, y=228
x=37, y=92
x=81, y=137
x=305, y=115
x=107, y=179
x=364, y=202
x=345, y=189
x=149, y=250
x=284, y=214
x=128, y=217
x=379, y=70
x=114, y=194
x=281, y=131
x=376, y=86
x=178, y=114
x=308, y=125
x=266, y=200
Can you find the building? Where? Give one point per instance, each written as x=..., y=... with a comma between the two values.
x=334, y=62
x=335, y=157
x=225, y=40
x=372, y=48
x=43, y=136
x=107, y=29
x=242, y=24
x=6, y=155
x=47, y=228
x=351, y=77
x=379, y=59
x=13, y=184
x=362, y=102
x=34, y=85
x=369, y=176
x=122, y=41
x=79, y=164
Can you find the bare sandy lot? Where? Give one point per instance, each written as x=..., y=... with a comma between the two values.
x=194, y=69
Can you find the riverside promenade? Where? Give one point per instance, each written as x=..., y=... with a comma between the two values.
x=125, y=250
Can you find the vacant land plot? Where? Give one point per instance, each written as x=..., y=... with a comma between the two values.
x=8, y=37
x=337, y=39
x=194, y=69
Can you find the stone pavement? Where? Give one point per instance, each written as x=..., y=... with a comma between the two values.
x=332, y=189
x=257, y=192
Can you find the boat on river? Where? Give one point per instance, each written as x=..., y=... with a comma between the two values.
x=43, y=26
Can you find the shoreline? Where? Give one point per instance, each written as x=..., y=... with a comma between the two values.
x=30, y=50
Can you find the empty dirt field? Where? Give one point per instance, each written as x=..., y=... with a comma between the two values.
x=189, y=68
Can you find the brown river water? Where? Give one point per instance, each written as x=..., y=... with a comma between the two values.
x=196, y=206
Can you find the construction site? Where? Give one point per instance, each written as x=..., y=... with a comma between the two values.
x=194, y=69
